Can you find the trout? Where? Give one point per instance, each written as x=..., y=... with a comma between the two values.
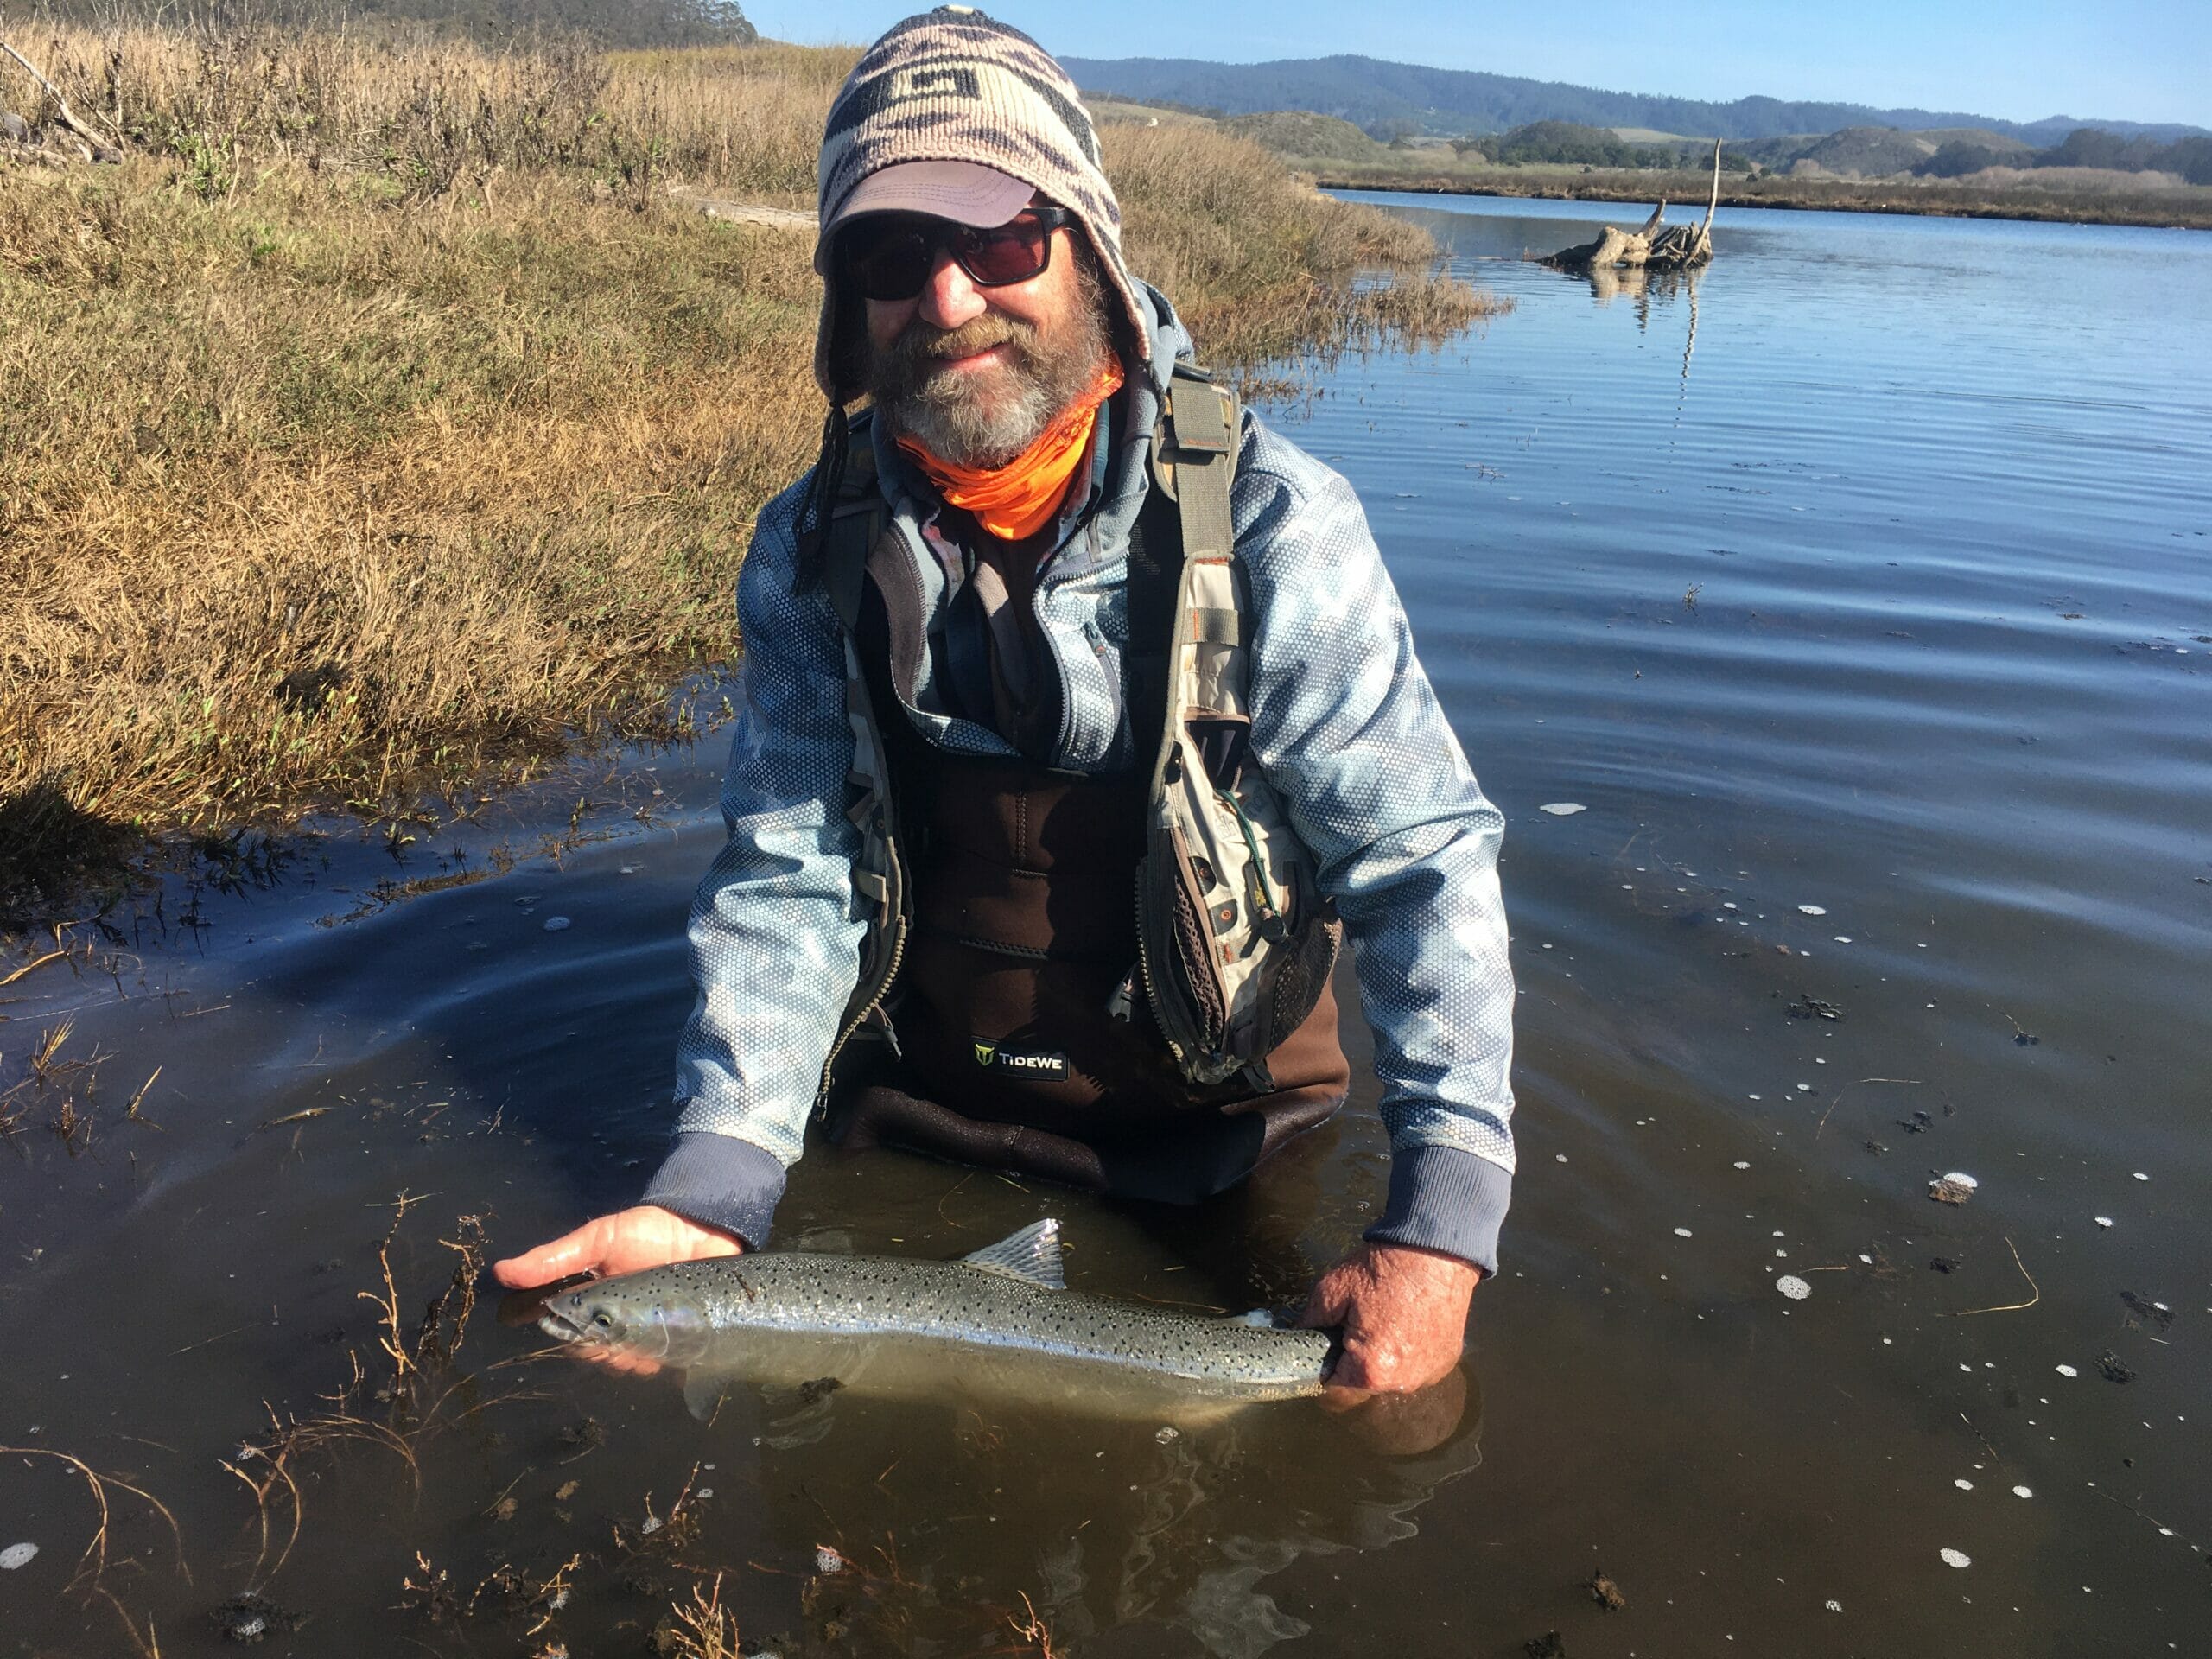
x=1002, y=1317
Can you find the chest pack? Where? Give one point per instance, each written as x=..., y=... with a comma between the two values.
x=1236, y=943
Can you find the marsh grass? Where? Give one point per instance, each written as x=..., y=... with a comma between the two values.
x=381, y=423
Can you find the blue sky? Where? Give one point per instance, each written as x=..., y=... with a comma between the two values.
x=2021, y=62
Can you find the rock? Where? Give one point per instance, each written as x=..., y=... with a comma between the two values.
x=1953, y=1188
x=1605, y=1593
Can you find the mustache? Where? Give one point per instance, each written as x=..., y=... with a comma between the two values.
x=921, y=343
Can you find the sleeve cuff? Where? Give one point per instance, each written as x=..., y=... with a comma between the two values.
x=719, y=1180
x=1447, y=1199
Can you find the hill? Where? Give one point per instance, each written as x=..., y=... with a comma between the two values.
x=1386, y=99
x=1299, y=132
x=1885, y=152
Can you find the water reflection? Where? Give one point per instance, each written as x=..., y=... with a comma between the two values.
x=1106, y=1526
x=1645, y=289
x=1640, y=286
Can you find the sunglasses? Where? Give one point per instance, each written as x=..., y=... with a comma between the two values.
x=892, y=257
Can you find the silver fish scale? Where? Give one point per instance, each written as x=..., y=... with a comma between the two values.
x=863, y=1296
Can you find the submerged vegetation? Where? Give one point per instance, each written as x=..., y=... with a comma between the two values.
x=386, y=416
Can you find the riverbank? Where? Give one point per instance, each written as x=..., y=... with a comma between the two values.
x=2188, y=207
x=387, y=423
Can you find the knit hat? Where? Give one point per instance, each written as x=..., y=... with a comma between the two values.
x=955, y=114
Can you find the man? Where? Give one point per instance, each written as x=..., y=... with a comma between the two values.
x=961, y=632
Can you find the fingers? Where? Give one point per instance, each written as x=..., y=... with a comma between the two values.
x=616, y=1359
x=572, y=1253
x=1402, y=1312
x=1329, y=1302
x=1359, y=1369
x=630, y=1241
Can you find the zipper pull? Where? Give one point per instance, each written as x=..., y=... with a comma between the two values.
x=877, y=1018
x=1122, y=1005
x=1271, y=922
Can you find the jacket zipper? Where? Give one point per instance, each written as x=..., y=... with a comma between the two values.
x=874, y=1001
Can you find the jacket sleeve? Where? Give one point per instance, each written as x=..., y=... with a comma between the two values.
x=1349, y=731
x=774, y=935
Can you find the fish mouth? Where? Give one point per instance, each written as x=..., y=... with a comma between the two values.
x=564, y=1328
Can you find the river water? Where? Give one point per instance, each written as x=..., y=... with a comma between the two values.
x=1860, y=596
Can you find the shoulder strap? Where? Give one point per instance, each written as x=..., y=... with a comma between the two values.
x=856, y=519
x=1186, y=516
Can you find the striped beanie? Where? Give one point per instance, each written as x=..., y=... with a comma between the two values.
x=954, y=87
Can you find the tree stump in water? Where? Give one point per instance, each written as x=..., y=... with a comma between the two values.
x=1657, y=246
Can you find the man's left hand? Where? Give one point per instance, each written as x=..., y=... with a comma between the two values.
x=1403, y=1311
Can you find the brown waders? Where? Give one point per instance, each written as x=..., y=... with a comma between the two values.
x=1024, y=929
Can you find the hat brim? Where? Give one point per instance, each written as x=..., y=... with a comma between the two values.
x=967, y=193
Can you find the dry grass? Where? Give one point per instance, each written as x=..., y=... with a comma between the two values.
x=381, y=420
x=1260, y=265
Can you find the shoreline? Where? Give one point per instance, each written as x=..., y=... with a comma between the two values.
x=1797, y=199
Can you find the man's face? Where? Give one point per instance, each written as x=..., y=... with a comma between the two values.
x=974, y=374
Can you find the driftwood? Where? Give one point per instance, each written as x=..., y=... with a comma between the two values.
x=1657, y=246
x=103, y=148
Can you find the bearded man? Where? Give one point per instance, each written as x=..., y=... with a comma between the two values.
x=1050, y=623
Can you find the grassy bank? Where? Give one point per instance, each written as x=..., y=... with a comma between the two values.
x=382, y=421
x=2068, y=201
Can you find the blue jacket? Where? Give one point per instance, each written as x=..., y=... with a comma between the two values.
x=1344, y=723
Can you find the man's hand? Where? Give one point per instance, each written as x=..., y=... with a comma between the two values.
x=1403, y=1311
x=629, y=1240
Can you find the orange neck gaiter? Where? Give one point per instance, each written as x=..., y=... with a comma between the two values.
x=1017, y=500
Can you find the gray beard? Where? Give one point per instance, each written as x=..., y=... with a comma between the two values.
x=951, y=419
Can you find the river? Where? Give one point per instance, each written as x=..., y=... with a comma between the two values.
x=1859, y=593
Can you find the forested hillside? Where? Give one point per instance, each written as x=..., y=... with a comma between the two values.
x=1387, y=99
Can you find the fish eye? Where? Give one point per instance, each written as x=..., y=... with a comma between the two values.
x=603, y=1320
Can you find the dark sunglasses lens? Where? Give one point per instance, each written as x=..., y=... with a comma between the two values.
x=894, y=264
x=1006, y=253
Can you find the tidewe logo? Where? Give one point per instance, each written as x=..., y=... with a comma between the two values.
x=1045, y=1065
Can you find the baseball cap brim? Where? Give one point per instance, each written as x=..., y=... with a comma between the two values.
x=966, y=193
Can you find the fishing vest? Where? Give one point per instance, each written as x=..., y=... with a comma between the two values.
x=1118, y=981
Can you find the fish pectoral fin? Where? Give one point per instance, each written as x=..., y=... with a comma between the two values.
x=1032, y=1255
x=703, y=1390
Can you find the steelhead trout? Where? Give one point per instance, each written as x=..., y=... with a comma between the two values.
x=1000, y=1318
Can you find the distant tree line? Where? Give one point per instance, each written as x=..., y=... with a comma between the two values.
x=1369, y=92
x=617, y=22
x=1572, y=144
x=2083, y=147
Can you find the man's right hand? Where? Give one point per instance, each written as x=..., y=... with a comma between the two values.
x=630, y=1241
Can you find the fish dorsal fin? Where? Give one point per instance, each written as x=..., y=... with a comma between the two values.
x=1032, y=1255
